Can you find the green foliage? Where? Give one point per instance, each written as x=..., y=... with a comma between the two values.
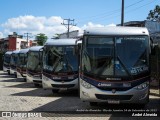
x=56, y=36
x=41, y=38
x=154, y=15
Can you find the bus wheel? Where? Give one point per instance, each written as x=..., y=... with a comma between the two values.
x=25, y=80
x=15, y=75
x=36, y=85
x=93, y=103
x=55, y=91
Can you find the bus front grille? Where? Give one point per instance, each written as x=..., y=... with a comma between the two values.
x=113, y=97
x=63, y=86
x=37, y=81
x=63, y=80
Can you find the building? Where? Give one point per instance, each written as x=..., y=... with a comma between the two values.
x=14, y=42
x=72, y=34
x=152, y=26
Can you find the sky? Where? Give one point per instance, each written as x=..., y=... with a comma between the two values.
x=46, y=16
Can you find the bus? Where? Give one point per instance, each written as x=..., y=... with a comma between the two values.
x=34, y=65
x=115, y=65
x=6, y=62
x=14, y=61
x=22, y=62
x=60, y=65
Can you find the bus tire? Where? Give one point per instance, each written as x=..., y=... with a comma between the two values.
x=15, y=75
x=9, y=72
x=36, y=85
x=93, y=103
x=55, y=91
x=25, y=80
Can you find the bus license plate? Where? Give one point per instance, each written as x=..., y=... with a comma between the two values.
x=113, y=101
x=63, y=88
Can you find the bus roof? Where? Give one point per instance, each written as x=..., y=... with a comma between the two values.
x=35, y=48
x=61, y=42
x=16, y=51
x=116, y=30
x=24, y=50
x=8, y=53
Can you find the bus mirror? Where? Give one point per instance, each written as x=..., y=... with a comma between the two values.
x=77, y=48
x=78, y=43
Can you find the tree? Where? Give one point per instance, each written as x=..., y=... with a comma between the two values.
x=56, y=36
x=154, y=15
x=41, y=38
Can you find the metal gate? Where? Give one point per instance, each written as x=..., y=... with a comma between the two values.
x=155, y=69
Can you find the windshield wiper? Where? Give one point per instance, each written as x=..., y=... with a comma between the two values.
x=140, y=58
x=124, y=66
x=106, y=64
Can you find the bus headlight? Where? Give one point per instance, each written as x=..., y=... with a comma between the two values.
x=71, y=77
x=142, y=86
x=85, y=84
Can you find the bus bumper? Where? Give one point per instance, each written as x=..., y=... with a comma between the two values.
x=32, y=79
x=132, y=95
x=19, y=75
x=47, y=83
x=13, y=71
x=5, y=69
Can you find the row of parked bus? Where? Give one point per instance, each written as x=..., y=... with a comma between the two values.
x=60, y=63
x=110, y=64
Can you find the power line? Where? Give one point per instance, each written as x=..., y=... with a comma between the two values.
x=141, y=6
x=108, y=13
x=67, y=23
x=132, y=10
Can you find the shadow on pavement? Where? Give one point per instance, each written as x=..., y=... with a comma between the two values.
x=23, y=85
x=40, y=92
x=13, y=80
x=63, y=104
x=36, y=92
x=8, y=76
x=69, y=106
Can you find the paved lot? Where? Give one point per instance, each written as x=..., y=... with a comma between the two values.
x=17, y=95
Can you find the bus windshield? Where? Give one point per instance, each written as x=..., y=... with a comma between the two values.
x=22, y=61
x=34, y=59
x=60, y=59
x=7, y=59
x=14, y=59
x=115, y=56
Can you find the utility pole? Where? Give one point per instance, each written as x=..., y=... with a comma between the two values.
x=122, y=14
x=28, y=35
x=67, y=23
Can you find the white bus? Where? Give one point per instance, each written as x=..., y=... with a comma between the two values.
x=60, y=65
x=34, y=65
x=13, y=63
x=6, y=62
x=115, y=66
x=22, y=62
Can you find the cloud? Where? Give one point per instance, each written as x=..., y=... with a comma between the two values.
x=34, y=25
x=1, y=35
x=41, y=24
x=112, y=24
x=91, y=25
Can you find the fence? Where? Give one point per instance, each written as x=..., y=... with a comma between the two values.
x=155, y=69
